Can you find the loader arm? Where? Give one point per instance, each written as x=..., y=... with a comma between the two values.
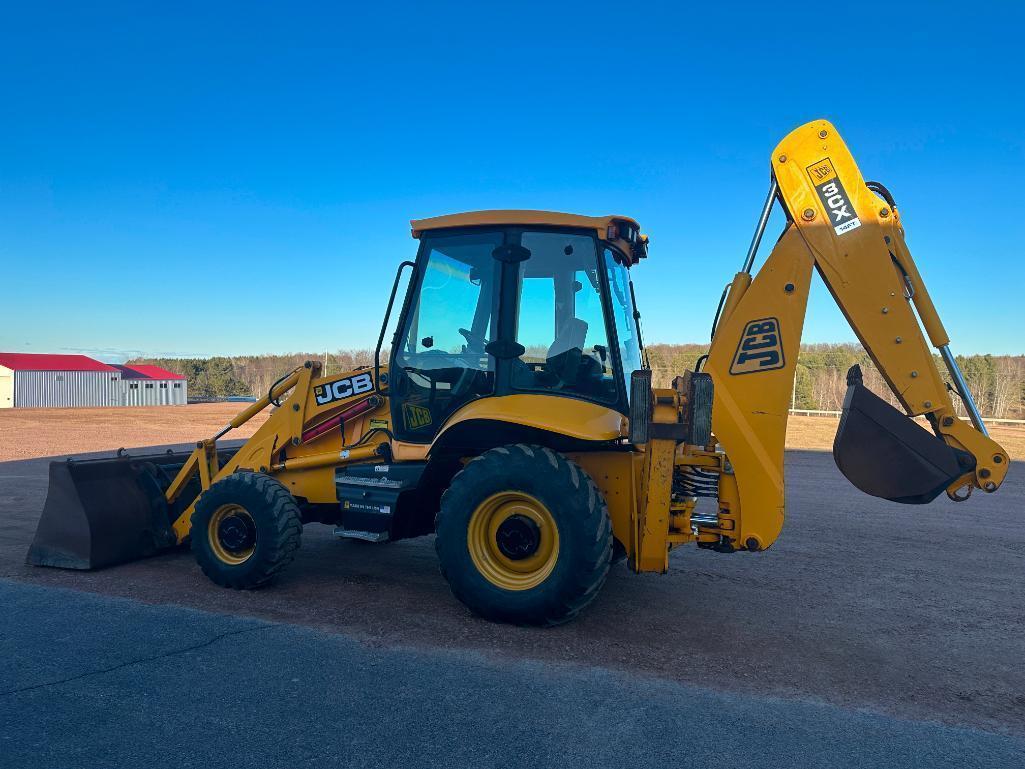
x=854, y=239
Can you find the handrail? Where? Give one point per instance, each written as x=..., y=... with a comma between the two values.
x=384, y=324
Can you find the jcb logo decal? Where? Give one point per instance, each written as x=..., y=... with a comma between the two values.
x=821, y=172
x=760, y=348
x=343, y=388
x=834, y=197
x=415, y=417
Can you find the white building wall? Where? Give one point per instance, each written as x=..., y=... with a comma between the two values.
x=65, y=389
x=6, y=388
x=131, y=392
x=68, y=389
x=154, y=392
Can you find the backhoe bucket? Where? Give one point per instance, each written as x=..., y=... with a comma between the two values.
x=887, y=454
x=101, y=512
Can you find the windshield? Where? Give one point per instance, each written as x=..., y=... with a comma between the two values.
x=623, y=315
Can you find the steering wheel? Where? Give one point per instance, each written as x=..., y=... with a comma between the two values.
x=474, y=341
x=463, y=382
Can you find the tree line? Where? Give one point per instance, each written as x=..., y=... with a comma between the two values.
x=252, y=375
x=997, y=381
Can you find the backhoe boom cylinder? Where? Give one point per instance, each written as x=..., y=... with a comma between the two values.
x=962, y=389
x=763, y=220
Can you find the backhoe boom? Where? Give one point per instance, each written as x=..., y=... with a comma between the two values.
x=853, y=237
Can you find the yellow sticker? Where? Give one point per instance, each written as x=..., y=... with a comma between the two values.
x=378, y=424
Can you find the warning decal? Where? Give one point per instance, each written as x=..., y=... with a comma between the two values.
x=833, y=196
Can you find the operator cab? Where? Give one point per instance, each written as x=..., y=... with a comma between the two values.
x=511, y=302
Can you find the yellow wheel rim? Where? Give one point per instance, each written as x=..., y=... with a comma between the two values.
x=513, y=540
x=232, y=534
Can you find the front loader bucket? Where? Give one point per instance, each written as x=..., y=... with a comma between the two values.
x=886, y=454
x=101, y=512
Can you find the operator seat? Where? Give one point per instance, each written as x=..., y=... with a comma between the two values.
x=566, y=352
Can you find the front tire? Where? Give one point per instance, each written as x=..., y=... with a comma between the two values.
x=246, y=529
x=524, y=536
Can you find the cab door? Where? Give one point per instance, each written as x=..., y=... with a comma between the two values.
x=440, y=361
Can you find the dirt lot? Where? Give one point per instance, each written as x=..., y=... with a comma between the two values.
x=818, y=432
x=28, y=433
x=918, y=612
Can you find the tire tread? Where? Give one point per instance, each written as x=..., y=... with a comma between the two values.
x=285, y=527
x=583, y=584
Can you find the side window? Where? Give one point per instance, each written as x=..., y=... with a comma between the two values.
x=623, y=315
x=536, y=323
x=561, y=320
x=441, y=362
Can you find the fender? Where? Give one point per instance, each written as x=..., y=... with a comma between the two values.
x=576, y=419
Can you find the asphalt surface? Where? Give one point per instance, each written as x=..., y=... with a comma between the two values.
x=916, y=613
x=105, y=682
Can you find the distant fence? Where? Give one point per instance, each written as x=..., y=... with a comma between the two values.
x=821, y=413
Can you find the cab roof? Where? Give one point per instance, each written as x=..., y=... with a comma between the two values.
x=507, y=217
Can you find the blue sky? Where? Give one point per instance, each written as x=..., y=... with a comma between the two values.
x=195, y=179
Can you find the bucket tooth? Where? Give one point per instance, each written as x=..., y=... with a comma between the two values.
x=887, y=454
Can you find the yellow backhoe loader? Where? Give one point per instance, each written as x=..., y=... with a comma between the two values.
x=515, y=417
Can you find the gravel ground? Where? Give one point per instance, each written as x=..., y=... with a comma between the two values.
x=911, y=611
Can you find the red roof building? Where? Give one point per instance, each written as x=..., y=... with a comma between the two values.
x=32, y=380
x=146, y=372
x=31, y=361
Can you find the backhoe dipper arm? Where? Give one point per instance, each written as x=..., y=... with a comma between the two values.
x=854, y=238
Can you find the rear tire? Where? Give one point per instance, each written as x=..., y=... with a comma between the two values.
x=524, y=536
x=246, y=528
